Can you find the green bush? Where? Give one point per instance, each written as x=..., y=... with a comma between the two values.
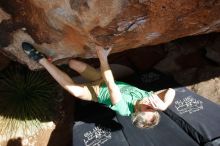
x=27, y=98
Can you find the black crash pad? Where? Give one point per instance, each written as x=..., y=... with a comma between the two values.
x=96, y=125
x=166, y=133
x=198, y=116
x=90, y=134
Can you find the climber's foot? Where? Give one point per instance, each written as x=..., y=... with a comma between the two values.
x=32, y=52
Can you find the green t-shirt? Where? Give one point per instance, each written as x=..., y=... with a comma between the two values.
x=130, y=95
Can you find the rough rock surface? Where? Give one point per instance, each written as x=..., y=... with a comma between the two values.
x=213, y=50
x=187, y=61
x=4, y=61
x=71, y=28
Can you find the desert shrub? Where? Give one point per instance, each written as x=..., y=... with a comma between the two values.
x=27, y=98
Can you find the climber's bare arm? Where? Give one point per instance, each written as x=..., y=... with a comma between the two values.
x=79, y=91
x=107, y=75
x=162, y=100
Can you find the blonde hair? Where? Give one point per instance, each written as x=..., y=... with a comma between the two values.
x=139, y=121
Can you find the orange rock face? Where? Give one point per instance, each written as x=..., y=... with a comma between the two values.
x=71, y=28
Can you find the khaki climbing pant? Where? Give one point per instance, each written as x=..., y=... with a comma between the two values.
x=95, y=77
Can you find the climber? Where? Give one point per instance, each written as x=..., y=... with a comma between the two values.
x=121, y=97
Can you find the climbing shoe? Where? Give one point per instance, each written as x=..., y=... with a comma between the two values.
x=32, y=52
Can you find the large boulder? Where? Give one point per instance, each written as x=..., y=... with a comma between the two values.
x=71, y=28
